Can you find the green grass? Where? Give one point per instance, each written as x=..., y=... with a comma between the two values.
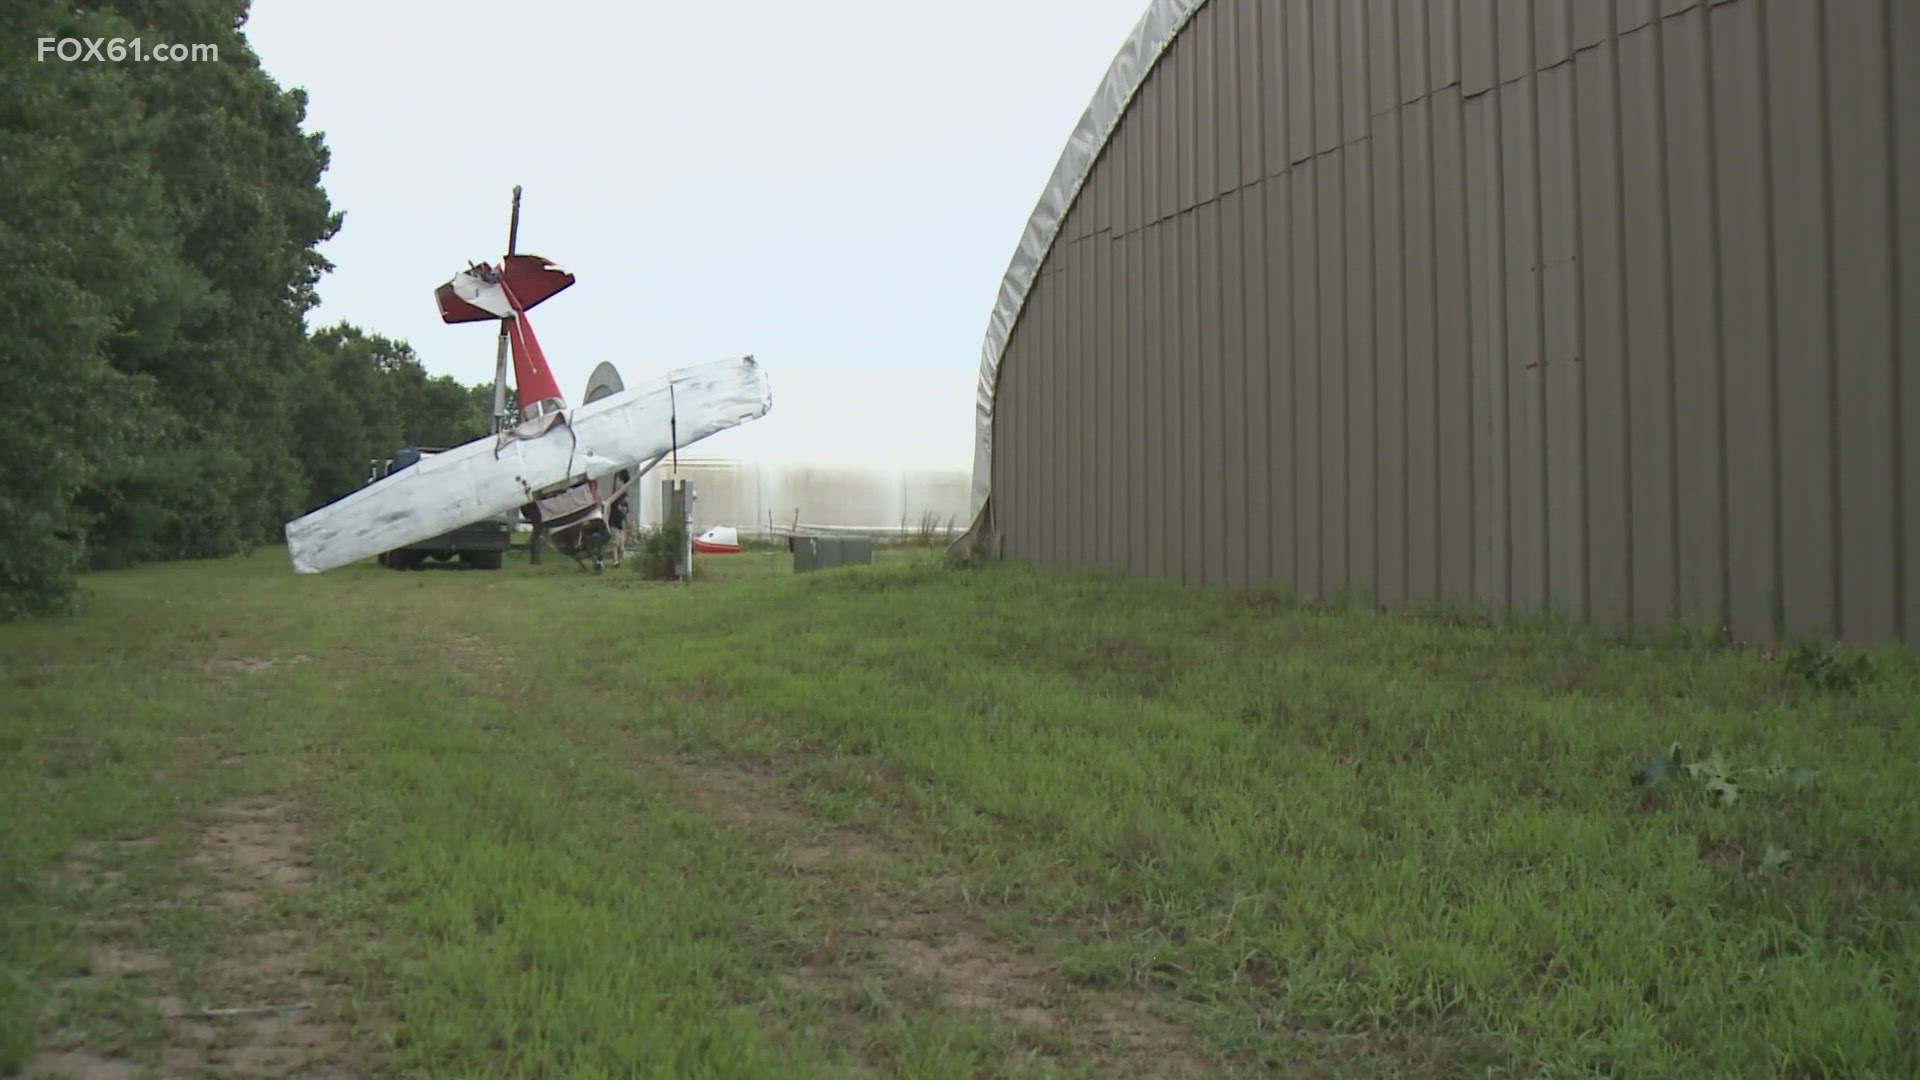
x=1307, y=840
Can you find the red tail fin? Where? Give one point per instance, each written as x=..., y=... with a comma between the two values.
x=531, y=375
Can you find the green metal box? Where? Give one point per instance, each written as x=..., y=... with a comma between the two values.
x=827, y=552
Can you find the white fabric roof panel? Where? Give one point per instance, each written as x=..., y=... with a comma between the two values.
x=1151, y=36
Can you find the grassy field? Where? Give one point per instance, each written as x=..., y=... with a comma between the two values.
x=908, y=820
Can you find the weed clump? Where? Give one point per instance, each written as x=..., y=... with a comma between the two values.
x=1830, y=668
x=658, y=551
x=1718, y=776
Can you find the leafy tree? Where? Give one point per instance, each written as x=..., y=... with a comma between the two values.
x=94, y=277
x=243, y=182
x=160, y=223
x=366, y=396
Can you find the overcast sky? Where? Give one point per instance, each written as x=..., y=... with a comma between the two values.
x=835, y=188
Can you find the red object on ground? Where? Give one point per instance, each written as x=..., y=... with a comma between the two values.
x=719, y=540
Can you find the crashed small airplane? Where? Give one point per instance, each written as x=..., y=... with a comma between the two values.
x=554, y=463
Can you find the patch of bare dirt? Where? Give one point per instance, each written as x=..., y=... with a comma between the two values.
x=270, y=1022
x=89, y=866
x=33, y=676
x=251, y=665
x=954, y=952
x=113, y=963
x=944, y=950
x=79, y=1065
x=256, y=842
x=474, y=658
x=262, y=1010
x=472, y=647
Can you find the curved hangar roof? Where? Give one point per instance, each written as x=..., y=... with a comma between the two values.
x=1150, y=38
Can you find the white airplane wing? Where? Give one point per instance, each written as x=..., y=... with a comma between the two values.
x=497, y=474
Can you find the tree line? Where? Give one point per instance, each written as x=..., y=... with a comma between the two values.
x=159, y=226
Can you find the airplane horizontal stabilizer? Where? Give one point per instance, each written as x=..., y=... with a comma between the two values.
x=479, y=293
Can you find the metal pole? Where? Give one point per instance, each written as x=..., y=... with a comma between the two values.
x=500, y=421
x=686, y=529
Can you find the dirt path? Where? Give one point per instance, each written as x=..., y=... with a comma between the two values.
x=249, y=1004
x=929, y=940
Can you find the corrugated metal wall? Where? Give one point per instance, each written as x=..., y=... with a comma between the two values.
x=1609, y=309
